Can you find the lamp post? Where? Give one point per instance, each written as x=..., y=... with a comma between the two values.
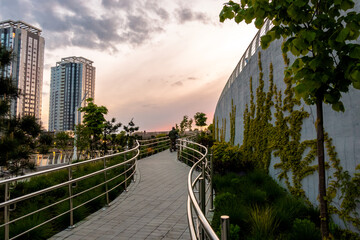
x=77, y=121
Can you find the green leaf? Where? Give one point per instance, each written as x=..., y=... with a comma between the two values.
x=265, y=41
x=356, y=85
x=343, y=35
x=355, y=52
x=309, y=36
x=259, y=22
x=339, y=106
x=346, y=4
x=355, y=76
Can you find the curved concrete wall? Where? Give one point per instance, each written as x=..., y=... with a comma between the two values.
x=344, y=128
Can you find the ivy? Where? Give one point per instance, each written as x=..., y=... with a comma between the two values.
x=223, y=130
x=232, y=123
x=257, y=128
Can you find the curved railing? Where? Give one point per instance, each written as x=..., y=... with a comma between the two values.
x=249, y=52
x=199, y=181
x=109, y=176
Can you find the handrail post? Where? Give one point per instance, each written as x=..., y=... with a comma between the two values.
x=225, y=227
x=125, y=170
x=211, y=182
x=202, y=202
x=106, y=184
x=179, y=149
x=7, y=212
x=70, y=198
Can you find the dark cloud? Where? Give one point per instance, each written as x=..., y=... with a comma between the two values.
x=76, y=23
x=184, y=15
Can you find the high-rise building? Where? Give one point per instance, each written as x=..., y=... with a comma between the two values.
x=72, y=80
x=26, y=68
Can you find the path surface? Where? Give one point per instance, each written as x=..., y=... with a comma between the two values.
x=153, y=208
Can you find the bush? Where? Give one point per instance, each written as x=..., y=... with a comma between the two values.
x=228, y=158
x=231, y=205
x=264, y=222
x=304, y=229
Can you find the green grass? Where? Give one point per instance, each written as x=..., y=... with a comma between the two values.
x=261, y=209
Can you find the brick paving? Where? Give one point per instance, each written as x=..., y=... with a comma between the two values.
x=153, y=208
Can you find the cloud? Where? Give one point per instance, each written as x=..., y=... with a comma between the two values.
x=184, y=14
x=192, y=78
x=178, y=83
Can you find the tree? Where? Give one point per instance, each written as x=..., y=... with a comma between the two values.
x=200, y=119
x=17, y=135
x=184, y=123
x=83, y=137
x=94, y=120
x=109, y=133
x=45, y=143
x=320, y=34
x=62, y=141
x=190, y=122
x=130, y=129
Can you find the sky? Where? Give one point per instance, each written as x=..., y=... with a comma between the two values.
x=155, y=60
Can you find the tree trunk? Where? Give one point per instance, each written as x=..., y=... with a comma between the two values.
x=324, y=219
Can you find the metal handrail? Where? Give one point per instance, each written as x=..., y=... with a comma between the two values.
x=204, y=230
x=249, y=52
x=128, y=171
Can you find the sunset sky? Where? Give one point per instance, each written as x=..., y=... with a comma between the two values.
x=155, y=60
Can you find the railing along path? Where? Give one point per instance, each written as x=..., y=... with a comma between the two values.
x=117, y=171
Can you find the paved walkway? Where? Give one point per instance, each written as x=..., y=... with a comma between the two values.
x=153, y=208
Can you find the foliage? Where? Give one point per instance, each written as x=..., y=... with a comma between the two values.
x=184, y=123
x=18, y=141
x=45, y=142
x=257, y=122
x=304, y=229
x=109, y=134
x=130, y=129
x=94, y=120
x=228, y=158
x=258, y=205
x=232, y=123
x=62, y=140
x=321, y=35
x=263, y=221
x=200, y=119
x=205, y=138
x=83, y=137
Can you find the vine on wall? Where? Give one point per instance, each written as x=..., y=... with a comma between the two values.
x=232, y=123
x=257, y=122
x=283, y=139
x=223, y=130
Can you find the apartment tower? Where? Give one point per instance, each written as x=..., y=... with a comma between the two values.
x=26, y=68
x=72, y=81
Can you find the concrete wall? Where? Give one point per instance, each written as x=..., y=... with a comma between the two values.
x=344, y=128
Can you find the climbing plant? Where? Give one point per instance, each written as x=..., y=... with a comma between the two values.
x=287, y=142
x=223, y=130
x=258, y=127
x=232, y=122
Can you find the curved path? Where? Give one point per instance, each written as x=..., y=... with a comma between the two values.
x=153, y=208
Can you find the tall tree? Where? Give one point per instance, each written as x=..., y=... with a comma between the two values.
x=184, y=123
x=94, y=120
x=320, y=34
x=200, y=119
x=190, y=122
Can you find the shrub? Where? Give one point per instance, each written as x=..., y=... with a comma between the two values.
x=263, y=222
x=228, y=158
x=304, y=229
x=231, y=205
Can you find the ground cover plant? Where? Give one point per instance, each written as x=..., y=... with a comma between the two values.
x=259, y=208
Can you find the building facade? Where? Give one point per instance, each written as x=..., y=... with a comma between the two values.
x=72, y=80
x=26, y=68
